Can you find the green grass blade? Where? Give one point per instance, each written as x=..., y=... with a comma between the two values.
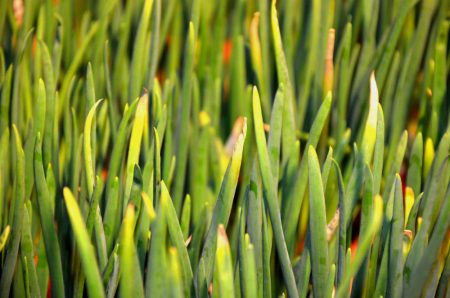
x=26, y=247
x=330, y=281
x=361, y=252
x=176, y=289
x=291, y=206
x=108, y=271
x=255, y=225
x=378, y=155
x=4, y=237
x=414, y=177
x=6, y=99
x=317, y=226
x=256, y=58
x=112, y=214
x=75, y=63
x=131, y=284
x=303, y=270
x=289, y=124
x=114, y=279
x=444, y=281
x=137, y=67
x=250, y=267
x=276, y=120
x=87, y=252
x=360, y=283
x=120, y=144
x=267, y=244
x=271, y=197
x=392, y=168
x=224, y=202
x=177, y=237
x=155, y=282
x=186, y=217
x=223, y=269
x=154, y=43
x=343, y=79
x=425, y=263
x=369, y=136
x=47, y=135
x=395, y=278
x=89, y=163
x=135, y=144
x=181, y=137
x=17, y=218
x=342, y=242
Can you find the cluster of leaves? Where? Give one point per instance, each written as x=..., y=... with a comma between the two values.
x=115, y=178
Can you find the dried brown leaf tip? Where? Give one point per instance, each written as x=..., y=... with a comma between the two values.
x=239, y=128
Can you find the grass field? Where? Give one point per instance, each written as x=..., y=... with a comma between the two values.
x=245, y=148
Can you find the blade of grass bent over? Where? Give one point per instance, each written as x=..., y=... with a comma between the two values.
x=89, y=163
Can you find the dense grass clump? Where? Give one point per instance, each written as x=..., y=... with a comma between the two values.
x=196, y=148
